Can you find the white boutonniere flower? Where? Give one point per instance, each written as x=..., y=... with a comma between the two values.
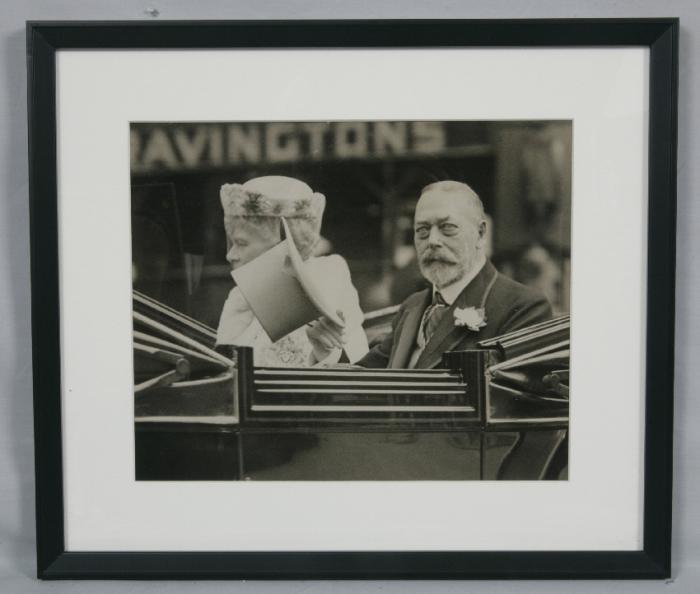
x=471, y=317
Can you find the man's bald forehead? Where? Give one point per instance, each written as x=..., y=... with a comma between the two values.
x=460, y=192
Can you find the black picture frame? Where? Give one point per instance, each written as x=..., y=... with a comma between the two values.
x=660, y=36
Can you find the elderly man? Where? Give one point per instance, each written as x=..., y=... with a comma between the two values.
x=469, y=301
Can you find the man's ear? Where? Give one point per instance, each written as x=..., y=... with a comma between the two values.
x=482, y=234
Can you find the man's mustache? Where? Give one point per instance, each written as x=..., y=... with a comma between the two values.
x=433, y=257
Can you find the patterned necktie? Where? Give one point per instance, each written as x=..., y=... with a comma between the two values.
x=432, y=318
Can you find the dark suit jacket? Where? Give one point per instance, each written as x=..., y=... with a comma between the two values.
x=509, y=306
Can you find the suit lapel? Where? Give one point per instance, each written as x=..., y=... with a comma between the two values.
x=403, y=347
x=447, y=335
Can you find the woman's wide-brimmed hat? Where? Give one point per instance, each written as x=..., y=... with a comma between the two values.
x=277, y=196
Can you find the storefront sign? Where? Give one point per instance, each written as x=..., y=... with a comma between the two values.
x=168, y=147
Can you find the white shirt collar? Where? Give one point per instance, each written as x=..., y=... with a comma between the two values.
x=451, y=292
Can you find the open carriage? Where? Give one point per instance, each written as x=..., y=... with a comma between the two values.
x=497, y=412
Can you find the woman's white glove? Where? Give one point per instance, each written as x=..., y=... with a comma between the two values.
x=325, y=336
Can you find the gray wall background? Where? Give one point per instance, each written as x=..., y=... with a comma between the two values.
x=17, y=562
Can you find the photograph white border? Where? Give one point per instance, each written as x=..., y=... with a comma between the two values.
x=604, y=91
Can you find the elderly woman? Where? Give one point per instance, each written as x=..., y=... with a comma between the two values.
x=252, y=213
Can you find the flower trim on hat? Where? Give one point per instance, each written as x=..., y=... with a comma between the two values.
x=239, y=202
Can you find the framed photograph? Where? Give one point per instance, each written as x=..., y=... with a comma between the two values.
x=353, y=299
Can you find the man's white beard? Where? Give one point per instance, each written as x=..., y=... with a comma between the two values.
x=442, y=274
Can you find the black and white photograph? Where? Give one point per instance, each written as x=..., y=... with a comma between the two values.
x=351, y=300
